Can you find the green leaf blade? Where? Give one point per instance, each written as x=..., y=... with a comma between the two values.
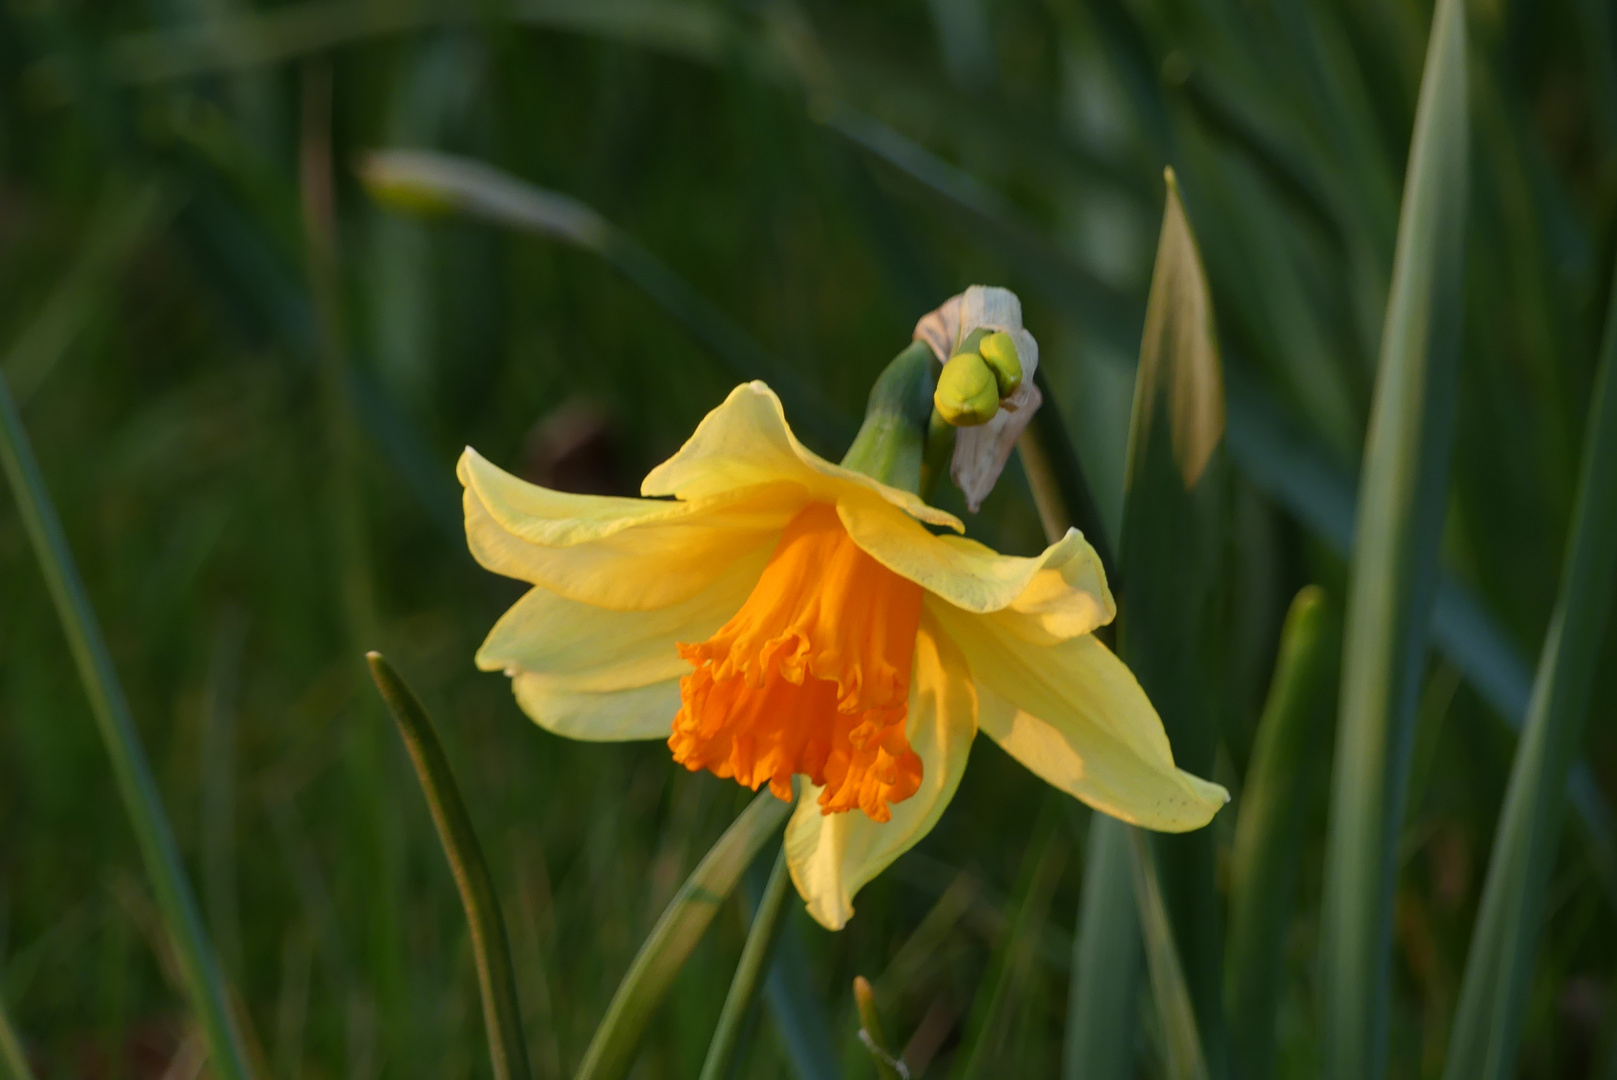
x=1394, y=571
x=1498, y=972
x=676, y=933
x=1286, y=759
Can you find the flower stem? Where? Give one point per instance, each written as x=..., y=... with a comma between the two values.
x=744, y=986
x=492, y=953
x=892, y=442
x=199, y=967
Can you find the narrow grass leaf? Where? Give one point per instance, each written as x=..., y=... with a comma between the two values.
x=1102, y=1004
x=1003, y=994
x=491, y=951
x=427, y=182
x=123, y=218
x=888, y=1067
x=1287, y=761
x=1169, y=556
x=194, y=954
x=1499, y=968
x=1169, y=987
x=744, y=985
x=13, y=1061
x=1394, y=572
x=670, y=942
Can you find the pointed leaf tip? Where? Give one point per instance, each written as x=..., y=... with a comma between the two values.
x=1179, y=360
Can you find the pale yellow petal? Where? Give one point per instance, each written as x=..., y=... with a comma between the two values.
x=641, y=712
x=1058, y=594
x=1074, y=714
x=746, y=442
x=604, y=649
x=624, y=554
x=833, y=856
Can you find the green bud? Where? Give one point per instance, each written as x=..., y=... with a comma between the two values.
x=998, y=351
x=968, y=392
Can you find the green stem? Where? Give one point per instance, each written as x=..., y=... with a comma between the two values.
x=13, y=1062
x=199, y=967
x=670, y=942
x=492, y=953
x=744, y=986
x=892, y=442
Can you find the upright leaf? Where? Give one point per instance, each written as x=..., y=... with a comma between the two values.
x=1169, y=557
x=1287, y=760
x=1499, y=969
x=194, y=954
x=670, y=942
x=1102, y=999
x=502, y=1016
x=1394, y=576
x=13, y=1061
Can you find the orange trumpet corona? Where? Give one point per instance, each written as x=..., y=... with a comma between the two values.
x=811, y=676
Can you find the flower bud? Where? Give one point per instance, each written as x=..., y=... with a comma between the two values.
x=998, y=351
x=968, y=391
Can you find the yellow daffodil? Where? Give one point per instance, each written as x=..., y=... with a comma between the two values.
x=780, y=615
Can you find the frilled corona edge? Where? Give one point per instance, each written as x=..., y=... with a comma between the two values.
x=771, y=571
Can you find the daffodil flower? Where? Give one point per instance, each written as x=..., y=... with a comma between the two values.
x=781, y=615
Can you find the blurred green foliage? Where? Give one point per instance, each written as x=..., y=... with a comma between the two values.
x=251, y=445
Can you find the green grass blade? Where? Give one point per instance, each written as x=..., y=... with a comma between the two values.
x=122, y=220
x=294, y=31
x=1169, y=987
x=670, y=942
x=13, y=1061
x=1499, y=968
x=888, y=1066
x=1287, y=760
x=423, y=181
x=1003, y=994
x=194, y=954
x=1102, y=1000
x=502, y=1015
x=1394, y=573
x=744, y=986
x=1169, y=554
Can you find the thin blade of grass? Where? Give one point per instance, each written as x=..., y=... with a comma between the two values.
x=1499, y=968
x=194, y=954
x=1286, y=762
x=122, y=220
x=1394, y=572
x=13, y=1060
x=1169, y=988
x=888, y=1067
x=982, y=1054
x=298, y=30
x=1171, y=516
x=502, y=1015
x=426, y=181
x=744, y=985
x=1102, y=999
x=670, y=942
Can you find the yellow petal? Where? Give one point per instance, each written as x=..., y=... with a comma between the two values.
x=641, y=712
x=1059, y=594
x=833, y=856
x=746, y=442
x=1074, y=714
x=624, y=554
